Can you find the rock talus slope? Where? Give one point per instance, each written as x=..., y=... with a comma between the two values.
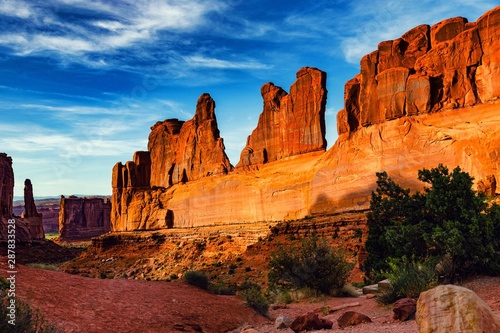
x=426, y=98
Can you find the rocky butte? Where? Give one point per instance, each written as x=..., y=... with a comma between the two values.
x=83, y=218
x=29, y=226
x=428, y=97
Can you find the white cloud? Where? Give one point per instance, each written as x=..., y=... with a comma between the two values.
x=198, y=61
x=16, y=9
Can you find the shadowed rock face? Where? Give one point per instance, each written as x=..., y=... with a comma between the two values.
x=6, y=185
x=453, y=64
x=290, y=124
x=29, y=201
x=29, y=226
x=83, y=218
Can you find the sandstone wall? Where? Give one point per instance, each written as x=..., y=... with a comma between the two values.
x=453, y=64
x=290, y=124
x=427, y=98
x=83, y=218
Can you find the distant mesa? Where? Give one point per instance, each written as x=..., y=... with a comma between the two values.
x=29, y=226
x=83, y=218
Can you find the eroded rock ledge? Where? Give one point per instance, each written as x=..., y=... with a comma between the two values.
x=453, y=64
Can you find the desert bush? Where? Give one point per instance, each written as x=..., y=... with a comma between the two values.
x=196, y=278
x=446, y=218
x=312, y=263
x=221, y=287
x=253, y=296
x=27, y=320
x=408, y=279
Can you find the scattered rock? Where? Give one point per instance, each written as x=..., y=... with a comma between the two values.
x=310, y=321
x=449, y=308
x=282, y=322
x=352, y=318
x=404, y=309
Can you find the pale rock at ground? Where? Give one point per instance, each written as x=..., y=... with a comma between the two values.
x=450, y=308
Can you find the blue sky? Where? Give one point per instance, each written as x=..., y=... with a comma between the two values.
x=82, y=81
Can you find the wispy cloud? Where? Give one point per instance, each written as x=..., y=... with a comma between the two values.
x=198, y=61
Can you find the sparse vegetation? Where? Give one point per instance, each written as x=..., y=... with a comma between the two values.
x=27, y=320
x=448, y=218
x=197, y=278
x=253, y=296
x=312, y=263
x=408, y=279
x=39, y=265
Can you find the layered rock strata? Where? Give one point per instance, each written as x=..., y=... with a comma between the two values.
x=83, y=218
x=290, y=124
x=452, y=64
x=27, y=228
x=411, y=107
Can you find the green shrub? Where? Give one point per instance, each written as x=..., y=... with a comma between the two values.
x=27, y=320
x=312, y=263
x=196, y=278
x=408, y=280
x=446, y=218
x=222, y=288
x=254, y=298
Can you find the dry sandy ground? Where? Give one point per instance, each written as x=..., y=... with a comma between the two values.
x=79, y=304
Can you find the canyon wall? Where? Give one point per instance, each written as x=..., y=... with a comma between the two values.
x=427, y=98
x=83, y=218
x=29, y=226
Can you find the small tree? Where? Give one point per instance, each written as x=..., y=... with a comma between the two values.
x=447, y=218
x=312, y=263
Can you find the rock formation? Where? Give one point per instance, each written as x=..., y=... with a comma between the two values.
x=83, y=218
x=29, y=201
x=185, y=151
x=453, y=64
x=178, y=152
x=6, y=185
x=290, y=124
x=29, y=226
x=450, y=308
x=427, y=98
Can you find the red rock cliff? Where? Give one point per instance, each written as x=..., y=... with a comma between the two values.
x=427, y=98
x=29, y=226
x=185, y=151
x=453, y=64
x=290, y=124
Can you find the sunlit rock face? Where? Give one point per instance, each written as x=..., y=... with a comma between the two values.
x=427, y=98
x=290, y=124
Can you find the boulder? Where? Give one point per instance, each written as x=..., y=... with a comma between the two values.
x=282, y=322
x=450, y=308
x=352, y=318
x=290, y=124
x=404, y=309
x=310, y=321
